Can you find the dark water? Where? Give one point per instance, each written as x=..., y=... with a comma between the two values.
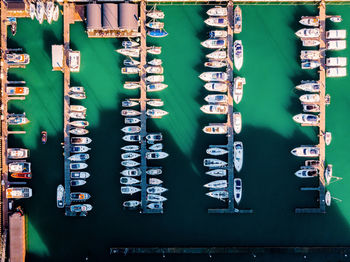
x=271, y=68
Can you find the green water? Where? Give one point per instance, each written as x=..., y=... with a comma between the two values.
x=271, y=68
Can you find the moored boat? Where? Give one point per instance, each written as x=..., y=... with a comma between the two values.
x=156, y=190
x=32, y=11
x=131, y=62
x=238, y=54
x=129, y=70
x=219, y=194
x=155, y=62
x=215, y=109
x=154, y=137
x=309, y=64
x=56, y=13
x=127, y=180
x=238, y=89
x=310, y=54
x=80, y=140
x=132, y=120
x=155, y=14
x=79, y=157
x=19, y=192
x=17, y=119
x=309, y=21
x=132, y=138
x=77, y=115
x=79, y=196
x=212, y=162
x=130, y=163
x=78, y=166
x=237, y=190
x=310, y=98
x=49, y=11
x=132, y=85
x=215, y=129
x=79, y=175
x=131, y=203
x=156, y=87
x=154, y=50
x=217, y=21
x=40, y=11
x=237, y=20
x=131, y=172
x=19, y=167
x=217, y=33
x=328, y=138
x=78, y=182
x=155, y=78
x=155, y=103
x=154, y=171
x=129, y=190
x=216, y=151
x=215, y=64
x=218, y=54
x=77, y=108
x=129, y=103
x=131, y=148
x=309, y=86
x=130, y=112
x=214, y=76
x=17, y=91
x=218, y=87
x=216, y=98
x=238, y=155
x=78, y=96
x=130, y=155
x=131, y=129
x=155, y=24
x=155, y=198
x=336, y=18
x=311, y=108
x=308, y=33
x=310, y=42
x=237, y=122
x=156, y=112
x=307, y=119
x=307, y=173
x=79, y=123
x=156, y=147
x=157, y=33
x=23, y=175
x=328, y=198
x=214, y=43
x=130, y=44
x=217, y=11
x=17, y=153
x=79, y=131
x=306, y=151
x=217, y=184
x=77, y=89
x=154, y=181
x=80, y=208
x=132, y=52
x=154, y=70
x=217, y=172
x=60, y=196
x=156, y=155
x=328, y=173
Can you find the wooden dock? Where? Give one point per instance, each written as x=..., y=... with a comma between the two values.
x=17, y=237
x=322, y=125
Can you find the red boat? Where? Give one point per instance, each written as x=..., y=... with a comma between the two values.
x=43, y=137
x=27, y=175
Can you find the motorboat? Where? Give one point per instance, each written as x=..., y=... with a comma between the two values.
x=79, y=175
x=157, y=33
x=129, y=103
x=309, y=64
x=80, y=140
x=131, y=62
x=79, y=196
x=217, y=172
x=132, y=52
x=132, y=120
x=216, y=98
x=132, y=138
x=306, y=151
x=213, y=129
x=130, y=44
x=336, y=61
x=131, y=172
x=79, y=157
x=215, y=64
x=336, y=18
x=129, y=70
x=156, y=113
x=79, y=131
x=17, y=119
x=32, y=11
x=17, y=153
x=130, y=163
x=310, y=42
x=312, y=163
x=131, y=129
x=336, y=45
x=19, y=192
x=217, y=184
x=155, y=181
x=310, y=98
x=154, y=50
x=155, y=14
x=130, y=155
x=155, y=62
x=328, y=138
x=215, y=109
x=237, y=20
x=154, y=171
x=131, y=203
x=132, y=85
x=156, y=155
x=238, y=155
x=307, y=173
x=77, y=115
x=217, y=33
x=79, y=123
x=17, y=91
x=214, y=43
x=156, y=147
x=238, y=54
x=309, y=21
x=217, y=11
x=130, y=112
x=218, y=87
x=218, y=55
x=154, y=137
x=328, y=173
x=155, y=198
x=238, y=89
x=19, y=167
x=78, y=96
x=237, y=122
x=219, y=194
x=308, y=33
x=309, y=54
x=336, y=72
x=126, y=180
x=156, y=87
x=80, y=208
x=17, y=59
x=307, y=119
x=78, y=166
x=22, y=175
x=214, y=163
x=309, y=86
x=328, y=198
x=78, y=182
x=155, y=103
x=335, y=34
x=40, y=11
x=130, y=148
x=237, y=190
x=43, y=137
x=217, y=21
x=155, y=78
x=311, y=108
x=77, y=89
x=60, y=196
x=155, y=24
x=154, y=69
x=156, y=190
x=77, y=108
x=155, y=205
x=214, y=76
x=50, y=7
x=56, y=13
x=216, y=151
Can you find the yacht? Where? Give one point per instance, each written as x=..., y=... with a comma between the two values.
x=155, y=24
x=40, y=11
x=79, y=175
x=17, y=91
x=129, y=190
x=154, y=171
x=23, y=175
x=132, y=52
x=237, y=20
x=306, y=151
x=32, y=11
x=78, y=166
x=129, y=70
x=237, y=190
x=216, y=98
x=157, y=33
x=78, y=182
x=156, y=113
x=215, y=109
x=217, y=33
x=238, y=155
x=214, y=43
x=336, y=72
x=77, y=108
x=129, y=103
x=238, y=54
x=154, y=70
x=79, y=157
x=214, y=76
x=309, y=86
x=219, y=194
x=130, y=155
x=215, y=163
x=131, y=204
x=328, y=138
x=17, y=119
x=154, y=50
x=311, y=108
x=80, y=208
x=213, y=129
x=17, y=59
x=155, y=62
x=60, y=196
x=336, y=61
x=217, y=21
x=156, y=190
x=56, y=13
x=218, y=87
x=155, y=205
x=131, y=62
x=217, y=184
x=218, y=54
x=216, y=151
x=79, y=123
x=156, y=87
x=77, y=115
x=131, y=129
x=336, y=34
x=308, y=33
x=336, y=45
x=217, y=11
x=215, y=64
x=132, y=85
x=156, y=147
x=130, y=163
x=156, y=155
x=131, y=172
x=19, y=167
x=155, y=78
x=309, y=21
x=80, y=140
x=309, y=54
x=79, y=131
x=155, y=14
x=307, y=173
x=130, y=44
x=310, y=98
x=79, y=196
x=154, y=137
x=155, y=103
x=78, y=96
x=130, y=112
x=237, y=122
x=310, y=42
x=155, y=198
x=309, y=64
x=238, y=89
x=126, y=180
x=154, y=181
x=132, y=138
x=328, y=173
x=217, y=172
x=18, y=192
x=132, y=120
x=50, y=7
x=131, y=148
x=307, y=119
x=17, y=153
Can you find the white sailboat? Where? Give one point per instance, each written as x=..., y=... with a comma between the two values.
x=238, y=155
x=131, y=172
x=216, y=151
x=217, y=184
x=56, y=13
x=237, y=122
x=214, y=76
x=217, y=11
x=217, y=172
x=219, y=194
x=308, y=33
x=217, y=55
x=213, y=162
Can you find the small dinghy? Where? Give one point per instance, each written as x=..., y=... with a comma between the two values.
x=237, y=190
x=132, y=120
x=328, y=138
x=155, y=103
x=131, y=203
x=212, y=162
x=216, y=151
x=154, y=171
x=154, y=181
x=238, y=89
x=130, y=155
x=156, y=190
x=79, y=157
x=130, y=163
x=217, y=172
x=79, y=131
x=128, y=180
x=129, y=190
x=131, y=129
x=328, y=173
x=219, y=194
x=155, y=198
x=237, y=122
x=156, y=147
x=218, y=184
x=130, y=148
x=238, y=155
x=129, y=103
x=131, y=172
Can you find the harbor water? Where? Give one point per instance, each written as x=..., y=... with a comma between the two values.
x=271, y=68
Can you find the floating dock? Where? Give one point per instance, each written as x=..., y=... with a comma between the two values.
x=17, y=237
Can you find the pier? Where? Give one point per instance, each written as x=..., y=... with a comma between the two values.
x=322, y=124
x=17, y=237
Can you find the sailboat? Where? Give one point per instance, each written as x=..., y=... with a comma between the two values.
x=238, y=155
x=217, y=21
x=307, y=119
x=219, y=194
x=131, y=172
x=130, y=155
x=155, y=24
x=217, y=172
x=216, y=151
x=155, y=14
x=328, y=173
x=217, y=184
x=216, y=98
x=131, y=203
x=128, y=180
x=212, y=162
x=129, y=190
x=237, y=122
x=214, y=76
